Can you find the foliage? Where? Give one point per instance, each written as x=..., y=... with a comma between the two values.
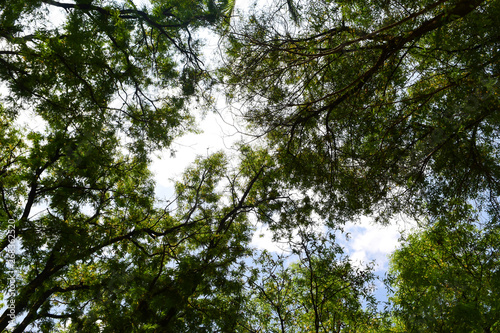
x=446, y=277
x=363, y=107
x=108, y=83
x=315, y=289
x=384, y=107
x=377, y=106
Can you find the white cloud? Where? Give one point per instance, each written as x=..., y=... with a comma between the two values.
x=370, y=241
x=263, y=240
x=216, y=135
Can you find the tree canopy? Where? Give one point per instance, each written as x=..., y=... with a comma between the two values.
x=359, y=107
x=379, y=106
x=111, y=82
x=319, y=292
x=446, y=278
